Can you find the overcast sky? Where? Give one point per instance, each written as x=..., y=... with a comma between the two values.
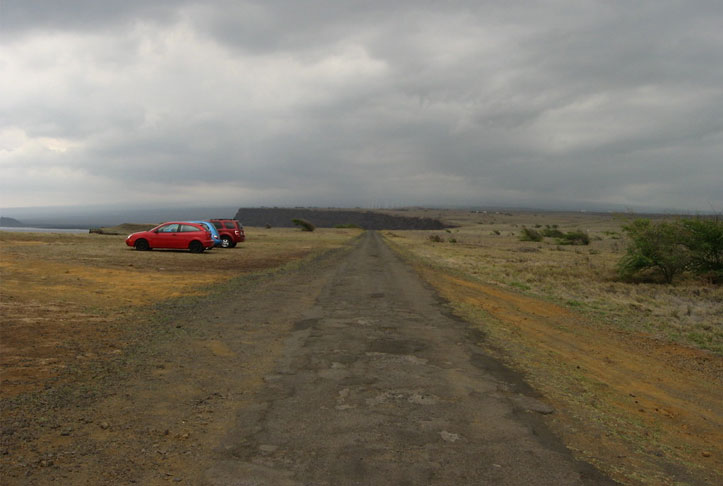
x=551, y=103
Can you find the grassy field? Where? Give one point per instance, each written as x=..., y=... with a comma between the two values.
x=634, y=371
x=69, y=300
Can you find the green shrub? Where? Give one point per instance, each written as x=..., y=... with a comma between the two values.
x=435, y=238
x=529, y=234
x=654, y=249
x=577, y=237
x=304, y=224
x=670, y=248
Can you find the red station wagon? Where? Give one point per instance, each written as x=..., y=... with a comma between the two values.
x=176, y=234
x=230, y=231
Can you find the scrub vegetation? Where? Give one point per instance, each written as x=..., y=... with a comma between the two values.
x=489, y=247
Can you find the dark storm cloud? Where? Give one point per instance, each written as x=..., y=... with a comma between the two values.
x=349, y=103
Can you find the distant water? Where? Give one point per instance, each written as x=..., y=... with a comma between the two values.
x=20, y=229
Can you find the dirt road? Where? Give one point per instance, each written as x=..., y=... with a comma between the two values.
x=346, y=371
x=376, y=385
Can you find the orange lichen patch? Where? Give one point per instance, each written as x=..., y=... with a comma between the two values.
x=99, y=286
x=627, y=402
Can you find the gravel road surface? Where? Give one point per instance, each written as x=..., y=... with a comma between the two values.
x=376, y=384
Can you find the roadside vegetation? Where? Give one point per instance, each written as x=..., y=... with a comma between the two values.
x=632, y=363
x=602, y=265
x=666, y=249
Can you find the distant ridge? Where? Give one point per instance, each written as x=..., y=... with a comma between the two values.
x=10, y=222
x=330, y=218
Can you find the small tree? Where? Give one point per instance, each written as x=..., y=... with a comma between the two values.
x=304, y=224
x=655, y=247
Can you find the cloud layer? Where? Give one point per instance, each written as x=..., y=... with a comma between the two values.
x=560, y=103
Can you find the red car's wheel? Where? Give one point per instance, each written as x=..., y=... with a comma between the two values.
x=196, y=247
x=142, y=245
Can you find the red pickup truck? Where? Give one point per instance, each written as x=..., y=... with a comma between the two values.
x=230, y=231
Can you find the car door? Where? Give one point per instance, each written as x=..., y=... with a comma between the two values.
x=166, y=236
x=189, y=233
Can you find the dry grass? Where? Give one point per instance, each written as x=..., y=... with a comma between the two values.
x=689, y=312
x=69, y=299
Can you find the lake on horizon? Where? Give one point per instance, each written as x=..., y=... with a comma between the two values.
x=22, y=229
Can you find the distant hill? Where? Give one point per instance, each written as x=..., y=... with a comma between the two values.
x=10, y=222
x=330, y=218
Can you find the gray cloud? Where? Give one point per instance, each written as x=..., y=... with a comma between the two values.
x=346, y=103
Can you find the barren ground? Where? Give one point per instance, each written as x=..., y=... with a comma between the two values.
x=123, y=367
